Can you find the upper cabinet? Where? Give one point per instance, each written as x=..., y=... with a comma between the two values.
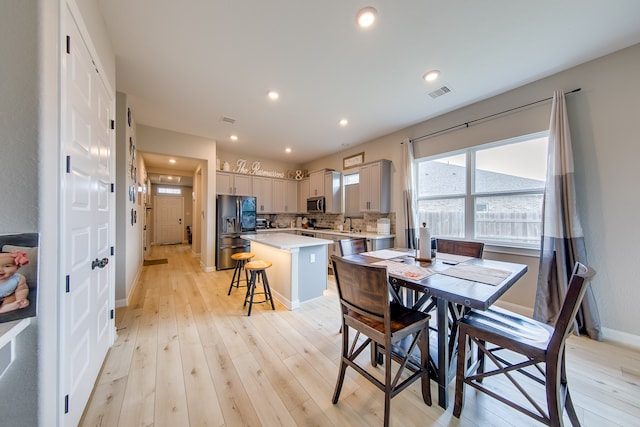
x=333, y=192
x=285, y=196
x=263, y=190
x=303, y=195
x=234, y=184
x=327, y=183
x=316, y=183
x=375, y=186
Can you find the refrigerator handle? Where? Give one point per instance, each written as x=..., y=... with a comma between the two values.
x=238, y=215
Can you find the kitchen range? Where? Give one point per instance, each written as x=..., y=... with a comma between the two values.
x=236, y=216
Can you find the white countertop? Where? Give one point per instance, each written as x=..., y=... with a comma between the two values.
x=346, y=235
x=286, y=240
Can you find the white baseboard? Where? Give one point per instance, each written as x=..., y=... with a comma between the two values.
x=124, y=302
x=206, y=269
x=621, y=338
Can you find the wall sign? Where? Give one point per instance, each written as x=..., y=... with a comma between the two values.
x=256, y=169
x=352, y=161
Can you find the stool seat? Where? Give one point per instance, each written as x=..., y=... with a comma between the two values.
x=242, y=256
x=259, y=264
x=241, y=259
x=257, y=271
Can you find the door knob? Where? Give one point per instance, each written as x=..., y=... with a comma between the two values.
x=100, y=263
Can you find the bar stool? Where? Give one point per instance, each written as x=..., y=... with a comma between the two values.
x=241, y=259
x=257, y=270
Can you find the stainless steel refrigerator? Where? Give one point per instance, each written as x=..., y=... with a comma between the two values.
x=236, y=215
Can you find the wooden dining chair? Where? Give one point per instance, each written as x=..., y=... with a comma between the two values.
x=513, y=343
x=460, y=247
x=353, y=246
x=468, y=248
x=367, y=308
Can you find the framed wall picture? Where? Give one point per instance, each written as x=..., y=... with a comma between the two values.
x=19, y=284
x=352, y=161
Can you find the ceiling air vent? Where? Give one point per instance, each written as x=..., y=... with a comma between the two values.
x=228, y=120
x=439, y=92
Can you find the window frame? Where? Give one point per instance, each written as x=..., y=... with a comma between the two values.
x=169, y=191
x=470, y=195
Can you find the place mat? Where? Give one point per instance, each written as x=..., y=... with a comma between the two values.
x=414, y=272
x=155, y=261
x=386, y=254
x=477, y=273
x=451, y=257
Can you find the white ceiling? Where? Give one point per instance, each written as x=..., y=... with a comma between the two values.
x=161, y=171
x=187, y=64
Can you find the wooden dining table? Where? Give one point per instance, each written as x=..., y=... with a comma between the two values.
x=451, y=285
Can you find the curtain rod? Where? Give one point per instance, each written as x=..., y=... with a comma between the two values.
x=466, y=124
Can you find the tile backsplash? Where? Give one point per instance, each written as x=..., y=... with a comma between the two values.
x=366, y=223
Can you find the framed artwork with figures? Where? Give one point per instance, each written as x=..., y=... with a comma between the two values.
x=18, y=276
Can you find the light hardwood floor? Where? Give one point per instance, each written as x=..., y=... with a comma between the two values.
x=188, y=355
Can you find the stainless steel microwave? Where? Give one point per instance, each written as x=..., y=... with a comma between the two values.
x=315, y=205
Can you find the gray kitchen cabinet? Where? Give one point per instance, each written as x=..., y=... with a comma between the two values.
x=234, y=184
x=333, y=192
x=316, y=183
x=327, y=183
x=285, y=196
x=303, y=195
x=263, y=190
x=375, y=186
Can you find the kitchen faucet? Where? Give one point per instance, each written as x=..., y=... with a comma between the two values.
x=350, y=223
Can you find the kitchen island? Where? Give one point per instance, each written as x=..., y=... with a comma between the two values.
x=299, y=271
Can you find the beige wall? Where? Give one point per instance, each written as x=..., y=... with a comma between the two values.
x=21, y=208
x=129, y=237
x=602, y=118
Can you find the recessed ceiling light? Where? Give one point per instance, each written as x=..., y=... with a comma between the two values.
x=432, y=75
x=172, y=161
x=366, y=17
x=234, y=137
x=273, y=95
x=343, y=122
x=287, y=150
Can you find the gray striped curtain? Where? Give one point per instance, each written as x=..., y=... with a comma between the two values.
x=562, y=237
x=410, y=208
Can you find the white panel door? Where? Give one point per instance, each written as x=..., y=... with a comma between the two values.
x=87, y=325
x=169, y=225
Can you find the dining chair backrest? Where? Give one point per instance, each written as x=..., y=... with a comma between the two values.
x=387, y=326
x=362, y=288
x=353, y=246
x=576, y=289
x=460, y=247
x=528, y=343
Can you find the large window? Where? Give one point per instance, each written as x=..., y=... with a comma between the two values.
x=491, y=193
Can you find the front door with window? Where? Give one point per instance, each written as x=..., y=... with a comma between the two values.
x=169, y=214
